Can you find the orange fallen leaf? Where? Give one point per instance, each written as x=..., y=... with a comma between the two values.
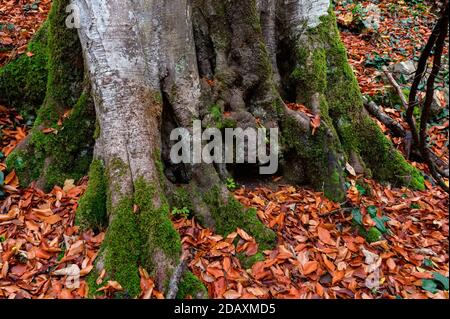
x=310, y=267
x=324, y=236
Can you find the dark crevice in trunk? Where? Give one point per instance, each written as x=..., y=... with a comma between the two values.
x=204, y=46
x=175, y=173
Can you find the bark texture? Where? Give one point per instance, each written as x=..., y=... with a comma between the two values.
x=151, y=66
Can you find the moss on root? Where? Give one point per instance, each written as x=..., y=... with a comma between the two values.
x=56, y=157
x=248, y=261
x=91, y=212
x=190, y=286
x=122, y=247
x=155, y=226
x=319, y=153
x=325, y=69
x=231, y=215
x=23, y=82
x=181, y=198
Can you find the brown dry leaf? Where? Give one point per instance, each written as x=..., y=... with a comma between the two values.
x=315, y=124
x=310, y=267
x=324, y=235
x=232, y=294
x=391, y=264
x=244, y=235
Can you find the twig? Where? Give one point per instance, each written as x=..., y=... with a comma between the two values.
x=396, y=87
x=176, y=277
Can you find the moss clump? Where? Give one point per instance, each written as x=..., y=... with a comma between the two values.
x=155, y=226
x=310, y=75
x=91, y=212
x=387, y=163
x=57, y=157
x=181, y=198
x=326, y=70
x=23, y=82
x=231, y=215
x=220, y=121
x=373, y=235
x=319, y=153
x=122, y=247
x=248, y=261
x=190, y=285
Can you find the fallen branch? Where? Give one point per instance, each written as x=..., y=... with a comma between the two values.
x=398, y=131
x=176, y=277
x=378, y=113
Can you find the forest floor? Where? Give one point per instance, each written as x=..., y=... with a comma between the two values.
x=323, y=250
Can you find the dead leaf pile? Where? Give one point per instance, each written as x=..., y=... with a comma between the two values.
x=19, y=21
x=320, y=254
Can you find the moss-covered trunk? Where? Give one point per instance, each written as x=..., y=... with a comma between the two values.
x=153, y=66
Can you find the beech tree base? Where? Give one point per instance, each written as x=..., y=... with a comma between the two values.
x=194, y=61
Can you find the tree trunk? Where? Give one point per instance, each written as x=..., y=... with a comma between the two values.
x=151, y=66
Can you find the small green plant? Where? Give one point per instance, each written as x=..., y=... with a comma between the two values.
x=231, y=184
x=376, y=233
x=438, y=282
x=181, y=212
x=377, y=61
x=2, y=239
x=32, y=6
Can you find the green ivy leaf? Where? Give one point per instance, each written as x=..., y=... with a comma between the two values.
x=372, y=210
x=442, y=280
x=357, y=217
x=380, y=223
x=429, y=285
x=427, y=263
x=361, y=190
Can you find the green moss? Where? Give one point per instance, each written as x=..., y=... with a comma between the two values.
x=190, y=285
x=65, y=61
x=91, y=283
x=181, y=198
x=220, y=121
x=327, y=70
x=373, y=235
x=387, y=163
x=23, y=82
x=248, y=261
x=319, y=153
x=91, y=212
x=122, y=247
x=67, y=157
x=27, y=166
x=132, y=239
x=97, y=130
x=58, y=157
x=310, y=75
x=231, y=215
x=156, y=226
